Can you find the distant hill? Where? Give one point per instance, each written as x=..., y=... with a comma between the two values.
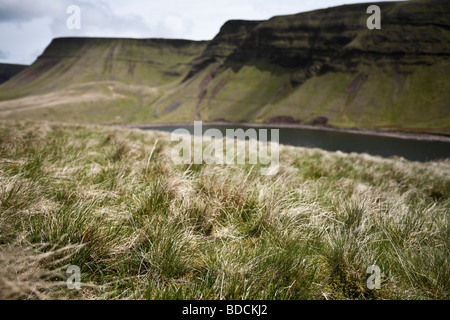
x=7, y=71
x=322, y=67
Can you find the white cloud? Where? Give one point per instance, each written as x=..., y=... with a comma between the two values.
x=172, y=26
x=22, y=40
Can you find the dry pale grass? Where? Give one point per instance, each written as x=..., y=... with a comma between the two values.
x=26, y=271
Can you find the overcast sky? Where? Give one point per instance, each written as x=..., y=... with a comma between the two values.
x=28, y=26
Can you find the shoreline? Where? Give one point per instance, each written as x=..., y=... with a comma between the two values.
x=367, y=132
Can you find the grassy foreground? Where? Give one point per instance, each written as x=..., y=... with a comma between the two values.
x=112, y=202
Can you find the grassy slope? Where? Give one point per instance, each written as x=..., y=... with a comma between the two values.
x=417, y=102
x=68, y=61
x=111, y=201
x=98, y=80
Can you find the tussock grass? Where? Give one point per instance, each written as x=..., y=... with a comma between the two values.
x=142, y=227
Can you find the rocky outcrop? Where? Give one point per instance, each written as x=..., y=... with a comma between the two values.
x=231, y=36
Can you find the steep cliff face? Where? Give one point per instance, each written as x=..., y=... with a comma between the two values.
x=326, y=66
x=337, y=38
x=230, y=38
x=320, y=67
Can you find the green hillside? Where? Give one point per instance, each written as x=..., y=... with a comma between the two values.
x=319, y=67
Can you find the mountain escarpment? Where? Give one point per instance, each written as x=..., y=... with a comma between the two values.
x=323, y=67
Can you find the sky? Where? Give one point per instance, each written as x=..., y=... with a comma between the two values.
x=28, y=26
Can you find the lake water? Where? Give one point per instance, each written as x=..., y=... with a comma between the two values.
x=415, y=150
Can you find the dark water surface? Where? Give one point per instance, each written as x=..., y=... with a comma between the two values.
x=416, y=150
